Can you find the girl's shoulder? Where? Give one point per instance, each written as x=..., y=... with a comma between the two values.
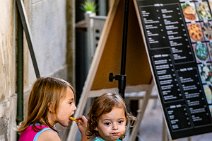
x=48, y=135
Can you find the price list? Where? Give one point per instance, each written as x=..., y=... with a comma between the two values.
x=175, y=68
x=169, y=87
x=195, y=99
x=178, y=116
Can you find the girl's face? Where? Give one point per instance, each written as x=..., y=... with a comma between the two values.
x=66, y=108
x=112, y=125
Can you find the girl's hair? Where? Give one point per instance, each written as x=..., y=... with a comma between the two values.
x=45, y=91
x=103, y=105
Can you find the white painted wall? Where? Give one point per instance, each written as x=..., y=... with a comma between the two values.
x=49, y=34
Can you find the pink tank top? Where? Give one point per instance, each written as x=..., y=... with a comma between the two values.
x=30, y=135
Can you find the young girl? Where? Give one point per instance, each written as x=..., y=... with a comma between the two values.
x=108, y=118
x=51, y=101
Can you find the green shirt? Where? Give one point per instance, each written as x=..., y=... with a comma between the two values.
x=100, y=139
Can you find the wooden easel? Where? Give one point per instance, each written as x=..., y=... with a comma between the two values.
x=107, y=59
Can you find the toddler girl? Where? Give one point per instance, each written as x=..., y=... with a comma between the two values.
x=108, y=118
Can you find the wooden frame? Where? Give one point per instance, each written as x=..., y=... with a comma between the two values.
x=107, y=59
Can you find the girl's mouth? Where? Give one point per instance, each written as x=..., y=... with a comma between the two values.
x=116, y=134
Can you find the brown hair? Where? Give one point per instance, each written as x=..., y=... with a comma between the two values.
x=45, y=90
x=103, y=105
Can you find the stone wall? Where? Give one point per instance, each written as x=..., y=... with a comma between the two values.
x=7, y=73
x=48, y=24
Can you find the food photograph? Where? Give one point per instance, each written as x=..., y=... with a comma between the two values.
x=189, y=11
x=207, y=30
x=203, y=11
x=195, y=32
x=201, y=52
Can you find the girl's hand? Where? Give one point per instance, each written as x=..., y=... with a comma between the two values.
x=82, y=125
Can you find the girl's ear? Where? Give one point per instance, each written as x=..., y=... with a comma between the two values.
x=96, y=129
x=50, y=107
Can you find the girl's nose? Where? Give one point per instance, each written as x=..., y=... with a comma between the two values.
x=115, y=127
x=75, y=107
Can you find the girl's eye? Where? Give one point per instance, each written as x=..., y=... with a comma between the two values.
x=71, y=102
x=120, y=121
x=107, y=123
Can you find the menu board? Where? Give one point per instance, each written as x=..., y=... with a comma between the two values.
x=178, y=36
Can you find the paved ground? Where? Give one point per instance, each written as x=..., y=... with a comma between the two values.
x=151, y=126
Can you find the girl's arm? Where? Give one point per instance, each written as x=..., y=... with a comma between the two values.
x=82, y=125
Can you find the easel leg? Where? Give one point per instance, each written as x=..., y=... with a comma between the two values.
x=141, y=112
x=189, y=139
x=164, y=134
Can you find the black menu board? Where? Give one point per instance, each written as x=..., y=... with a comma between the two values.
x=178, y=35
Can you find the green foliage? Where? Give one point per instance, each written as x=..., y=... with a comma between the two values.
x=89, y=6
